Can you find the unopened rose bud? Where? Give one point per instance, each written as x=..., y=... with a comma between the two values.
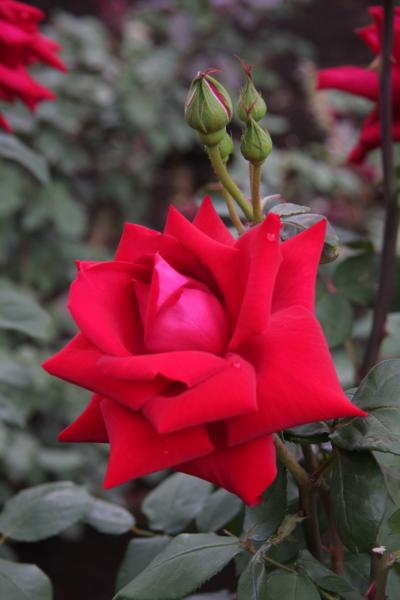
x=208, y=108
x=256, y=143
x=251, y=104
x=226, y=147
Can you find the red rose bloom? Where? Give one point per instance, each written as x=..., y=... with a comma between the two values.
x=365, y=83
x=197, y=347
x=21, y=44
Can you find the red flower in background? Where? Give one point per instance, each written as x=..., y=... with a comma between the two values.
x=365, y=83
x=21, y=45
x=197, y=348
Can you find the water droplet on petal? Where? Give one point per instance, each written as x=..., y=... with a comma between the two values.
x=236, y=365
x=271, y=237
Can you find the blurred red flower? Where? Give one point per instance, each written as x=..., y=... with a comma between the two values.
x=365, y=83
x=197, y=348
x=21, y=45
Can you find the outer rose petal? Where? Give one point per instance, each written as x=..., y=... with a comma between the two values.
x=370, y=137
x=358, y=81
x=208, y=221
x=245, y=470
x=260, y=260
x=297, y=382
x=226, y=394
x=137, y=449
x=88, y=427
x=77, y=363
x=103, y=306
x=188, y=367
x=295, y=283
x=138, y=241
x=370, y=36
x=219, y=259
x=20, y=85
x=355, y=80
x=4, y=124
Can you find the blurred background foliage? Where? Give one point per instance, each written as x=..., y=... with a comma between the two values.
x=116, y=147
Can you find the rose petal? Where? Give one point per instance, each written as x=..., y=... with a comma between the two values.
x=295, y=283
x=245, y=470
x=219, y=259
x=227, y=393
x=297, y=382
x=355, y=80
x=88, y=427
x=103, y=306
x=261, y=257
x=77, y=363
x=196, y=321
x=209, y=222
x=137, y=449
x=189, y=367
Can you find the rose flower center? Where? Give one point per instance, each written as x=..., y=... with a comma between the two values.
x=178, y=312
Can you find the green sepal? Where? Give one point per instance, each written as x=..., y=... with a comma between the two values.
x=256, y=143
x=208, y=107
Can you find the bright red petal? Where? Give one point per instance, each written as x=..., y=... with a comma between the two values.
x=88, y=427
x=219, y=259
x=137, y=449
x=260, y=260
x=297, y=382
x=188, y=367
x=77, y=363
x=226, y=394
x=355, y=80
x=103, y=305
x=208, y=221
x=369, y=35
x=295, y=283
x=245, y=470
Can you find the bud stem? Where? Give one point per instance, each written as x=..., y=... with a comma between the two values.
x=228, y=183
x=237, y=223
x=255, y=181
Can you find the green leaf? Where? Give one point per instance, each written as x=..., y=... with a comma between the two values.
x=288, y=209
x=188, y=561
x=394, y=521
x=109, y=518
x=139, y=554
x=13, y=149
x=23, y=582
x=359, y=499
x=289, y=586
x=19, y=312
x=313, y=433
x=218, y=509
x=262, y=521
x=253, y=580
x=378, y=394
x=175, y=502
x=43, y=511
x=294, y=224
x=336, y=318
x=325, y=578
x=9, y=413
x=14, y=375
x=357, y=278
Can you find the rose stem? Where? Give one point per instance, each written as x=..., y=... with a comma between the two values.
x=388, y=257
x=309, y=504
x=228, y=183
x=255, y=193
x=380, y=565
x=232, y=211
x=307, y=495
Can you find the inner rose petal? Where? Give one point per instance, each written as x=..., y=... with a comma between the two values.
x=196, y=321
x=179, y=313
